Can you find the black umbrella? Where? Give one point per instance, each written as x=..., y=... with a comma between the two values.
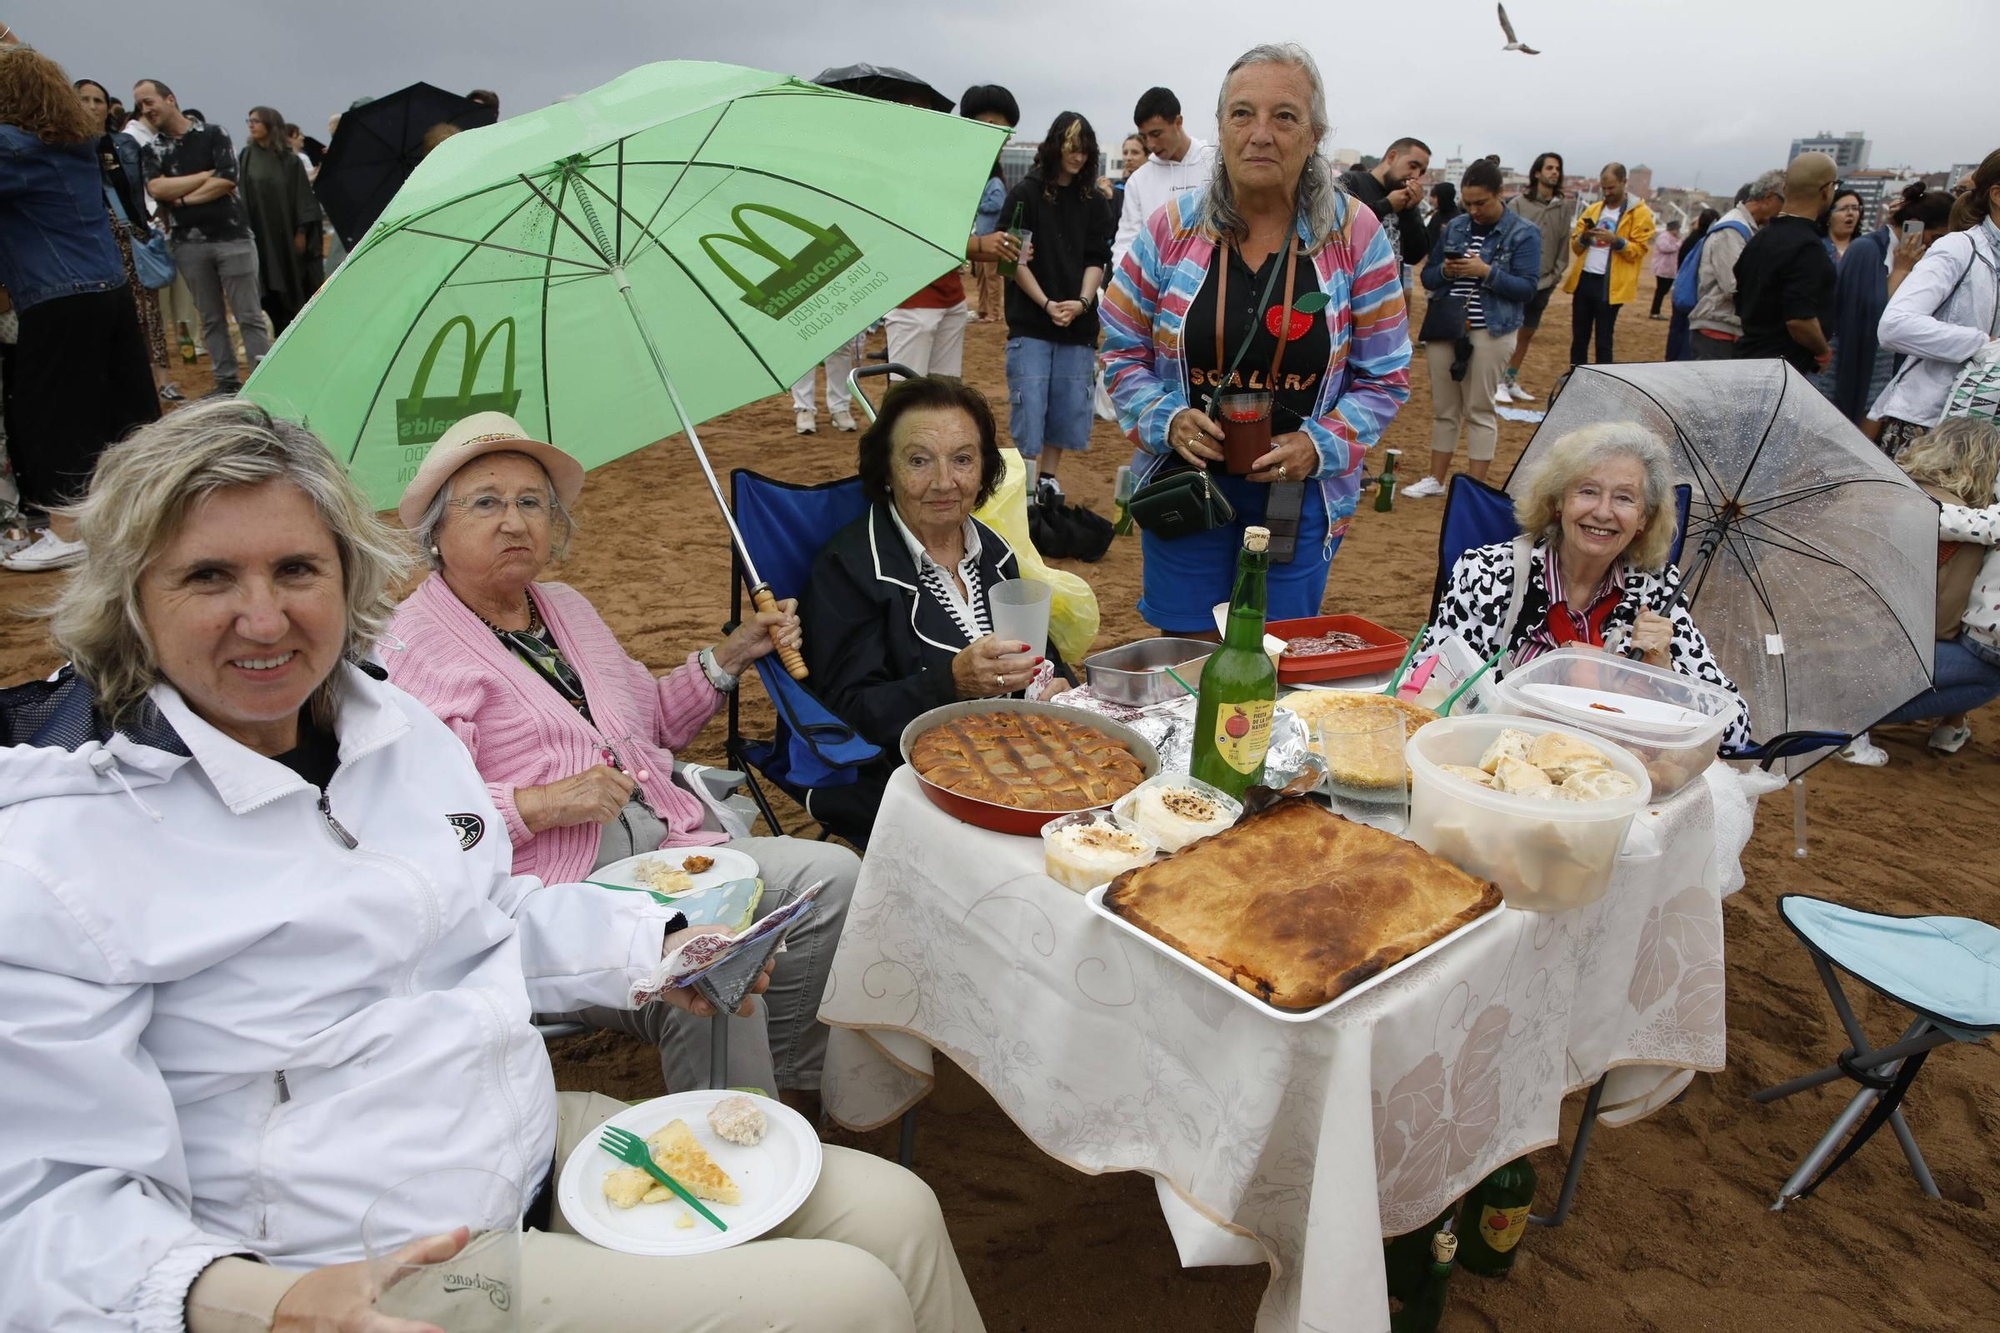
x=378, y=145
x=886, y=82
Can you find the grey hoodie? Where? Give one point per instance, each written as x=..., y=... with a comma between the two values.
x=1553, y=217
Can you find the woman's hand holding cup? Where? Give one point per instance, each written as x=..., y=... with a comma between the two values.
x=1194, y=435
x=992, y=666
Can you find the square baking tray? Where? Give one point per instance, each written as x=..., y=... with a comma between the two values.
x=1095, y=900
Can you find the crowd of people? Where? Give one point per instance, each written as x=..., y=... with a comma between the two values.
x=197, y=1092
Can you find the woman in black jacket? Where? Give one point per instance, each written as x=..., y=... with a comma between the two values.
x=896, y=618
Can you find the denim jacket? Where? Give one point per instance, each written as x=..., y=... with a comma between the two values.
x=1515, y=252
x=55, y=235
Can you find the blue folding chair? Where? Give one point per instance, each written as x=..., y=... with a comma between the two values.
x=785, y=524
x=1943, y=969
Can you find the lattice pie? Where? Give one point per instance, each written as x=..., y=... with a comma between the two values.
x=1028, y=761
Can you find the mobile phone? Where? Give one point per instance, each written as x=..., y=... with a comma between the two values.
x=1454, y=254
x=1912, y=229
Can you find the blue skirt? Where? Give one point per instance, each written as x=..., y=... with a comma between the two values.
x=1186, y=577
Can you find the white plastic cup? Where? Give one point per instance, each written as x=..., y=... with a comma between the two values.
x=1020, y=610
x=475, y=1290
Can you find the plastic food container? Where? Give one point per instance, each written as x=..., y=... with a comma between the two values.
x=1083, y=850
x=1545, y=856
x=1672, y=723
x=1143, y=810
x=1135, y=674
x=1386, y=648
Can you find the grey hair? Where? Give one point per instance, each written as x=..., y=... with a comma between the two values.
x=562, y=523
x=1318, y=200
x=1539, y=506
x=1770, y=183
x=144, y=488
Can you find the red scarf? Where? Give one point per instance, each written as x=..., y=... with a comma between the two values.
x=1566, y=625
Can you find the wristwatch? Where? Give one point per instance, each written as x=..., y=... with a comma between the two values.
x=723, y=682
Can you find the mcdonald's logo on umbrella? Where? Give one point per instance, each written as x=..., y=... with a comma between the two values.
x=424, y=420
x=792, y=280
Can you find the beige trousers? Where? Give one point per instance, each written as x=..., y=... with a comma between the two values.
x=866, y=1253
x=1467, y=403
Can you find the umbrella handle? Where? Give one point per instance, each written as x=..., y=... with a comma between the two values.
x=795, y=666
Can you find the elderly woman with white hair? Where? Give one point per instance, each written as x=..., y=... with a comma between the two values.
x=576, y=738
x=1590, y=570
x=1268, y=281
x=263, y=960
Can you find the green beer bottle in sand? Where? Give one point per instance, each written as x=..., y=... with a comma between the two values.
x=1385, y=495
x=1239, y=686
x=1493, y=1218
x=1424, y=1310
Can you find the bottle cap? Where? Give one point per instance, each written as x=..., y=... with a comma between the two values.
x=1256, y=539
x=1444, y=1247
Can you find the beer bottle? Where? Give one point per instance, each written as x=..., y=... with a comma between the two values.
x=1007, y=267
x=1239, y=686
x=187, y=342
x=1385, y=496
x=1493, y=1217
x=1406, y=1258
x=1423, y=1312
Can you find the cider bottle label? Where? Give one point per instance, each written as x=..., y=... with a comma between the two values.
x=1243, y=733
x=1501, y=1228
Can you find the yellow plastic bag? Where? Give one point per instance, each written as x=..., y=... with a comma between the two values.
x=1073, y=607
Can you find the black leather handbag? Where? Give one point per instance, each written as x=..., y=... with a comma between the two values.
x=1180, y=504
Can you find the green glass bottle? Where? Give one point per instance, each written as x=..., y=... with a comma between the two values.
x=187, y=343
x=1385, y=495
x=1424, y=1311
x=1406, y=1258
x=1007, y=267
x=1239, y=686
x=1493, y=1217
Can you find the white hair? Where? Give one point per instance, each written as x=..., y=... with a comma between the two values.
x=1318, y=197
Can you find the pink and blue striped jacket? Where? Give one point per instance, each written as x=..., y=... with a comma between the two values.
x=1367, y=378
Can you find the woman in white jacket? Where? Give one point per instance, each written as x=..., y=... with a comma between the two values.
x=262, y=957
x=1943, y=315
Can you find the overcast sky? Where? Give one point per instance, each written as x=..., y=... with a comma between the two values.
x=1715, y=87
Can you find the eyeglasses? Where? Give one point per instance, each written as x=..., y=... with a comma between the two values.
x=490, y=508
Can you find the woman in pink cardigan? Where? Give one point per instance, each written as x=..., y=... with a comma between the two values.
x=575, y=738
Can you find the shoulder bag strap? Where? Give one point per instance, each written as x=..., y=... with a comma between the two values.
x=1291, y=261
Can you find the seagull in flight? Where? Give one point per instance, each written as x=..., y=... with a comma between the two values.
x=1513, y=42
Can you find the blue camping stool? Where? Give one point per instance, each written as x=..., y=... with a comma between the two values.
x=785, y=524
x=1944, y=969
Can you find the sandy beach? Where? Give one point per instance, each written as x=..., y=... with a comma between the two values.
x=1670, y=1231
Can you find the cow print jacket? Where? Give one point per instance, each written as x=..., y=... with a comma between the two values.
x=1482, y=585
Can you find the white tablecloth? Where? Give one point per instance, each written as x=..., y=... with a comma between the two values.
x=1314, y=1139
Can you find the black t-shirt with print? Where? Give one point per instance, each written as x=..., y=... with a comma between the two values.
x=1298, y=386
x=202, y=148
x=1783, y=273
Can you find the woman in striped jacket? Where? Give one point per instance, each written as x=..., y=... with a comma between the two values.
x=1193, y=309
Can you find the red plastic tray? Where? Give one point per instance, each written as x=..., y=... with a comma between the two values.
x=1387, y=650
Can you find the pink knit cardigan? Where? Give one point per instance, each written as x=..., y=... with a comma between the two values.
x=523, y=734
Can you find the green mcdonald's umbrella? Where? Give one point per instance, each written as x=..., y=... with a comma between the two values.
x=625, y=264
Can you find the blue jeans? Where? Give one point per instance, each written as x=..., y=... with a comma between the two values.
x=1049, y=388
x=1967, y=677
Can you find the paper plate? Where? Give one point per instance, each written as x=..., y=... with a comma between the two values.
x=775, y=1178
x=729, y=865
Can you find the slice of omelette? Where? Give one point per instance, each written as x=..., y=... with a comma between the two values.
x=680, y=1155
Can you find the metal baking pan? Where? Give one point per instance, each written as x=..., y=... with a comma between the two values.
x=1135, y=675
x=1005, y=818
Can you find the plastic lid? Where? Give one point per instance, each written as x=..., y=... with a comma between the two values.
x=1658, y=705
x=1256, y=539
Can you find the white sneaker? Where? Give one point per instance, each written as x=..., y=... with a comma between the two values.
x=1517, y=393
x=1947, y=739
x=1501, y=398
x=843, y=419
x=47, y=551
x=1865, y=752
x=807, y=423
x=1425, y=487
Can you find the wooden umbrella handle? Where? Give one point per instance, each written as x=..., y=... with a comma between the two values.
x=795, y=666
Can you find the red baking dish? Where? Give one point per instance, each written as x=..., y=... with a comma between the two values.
x=1386, y=649
x=1005, y=818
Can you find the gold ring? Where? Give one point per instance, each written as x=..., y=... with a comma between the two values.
x=999, y=680
x=1281, y=472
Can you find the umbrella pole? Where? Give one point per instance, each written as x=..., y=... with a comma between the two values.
x=760, y=591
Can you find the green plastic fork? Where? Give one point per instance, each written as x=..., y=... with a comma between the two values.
x=630, y=1149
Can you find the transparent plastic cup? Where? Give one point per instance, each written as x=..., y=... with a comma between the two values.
x=476, y=1289
x=1020, y=610
x=1367, y=776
